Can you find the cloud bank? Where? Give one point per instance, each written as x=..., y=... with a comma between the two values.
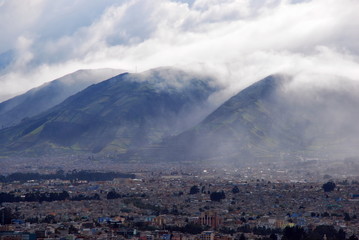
x=238, y=41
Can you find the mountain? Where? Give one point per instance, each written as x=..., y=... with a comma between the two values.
x=275, y=118
x=121, y=114
x=165, y=115
x=50, y=94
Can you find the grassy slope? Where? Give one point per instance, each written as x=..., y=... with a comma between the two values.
x=125, y=112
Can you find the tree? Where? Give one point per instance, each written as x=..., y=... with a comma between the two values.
x=113, y=195
x=347, y=217
x=322, y=230
x=325, y=214
x=5, y=215
x=64, y=195
x=96, y=196
x=242, y=237
x=353, y=237
x=341, y=234
x=217, y=196
x=192, y=228
x=49, y=219
x=244, y=228
x=227, y=230
x=194, y=190
x=273, y=236
x=73, y=230
x=235, y=190
x=293, y=233
x=329, y=186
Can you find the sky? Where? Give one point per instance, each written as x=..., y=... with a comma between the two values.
x=237, y=41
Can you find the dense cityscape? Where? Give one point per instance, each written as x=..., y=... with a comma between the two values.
x=181, y=202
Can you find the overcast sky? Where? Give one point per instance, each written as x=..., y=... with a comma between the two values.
x=239, y=41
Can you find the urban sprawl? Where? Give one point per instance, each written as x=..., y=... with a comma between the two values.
x=183, y=202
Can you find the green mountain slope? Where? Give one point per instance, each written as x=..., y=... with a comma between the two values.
x=120, y=114
x=272, y=119
x=50, y=94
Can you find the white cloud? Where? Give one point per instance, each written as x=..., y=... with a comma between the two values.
x=240, y=41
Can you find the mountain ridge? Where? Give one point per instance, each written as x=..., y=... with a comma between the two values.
x=268, y=121
x=165, y=115
x=41, y=98
x=120, y=113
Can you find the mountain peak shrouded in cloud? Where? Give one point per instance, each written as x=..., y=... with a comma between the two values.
x=270, y=121
x=118, y=115
x=50, y=94
x=238, y=41
x=168, y=114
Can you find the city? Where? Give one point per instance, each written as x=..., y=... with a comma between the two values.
x=178, y=202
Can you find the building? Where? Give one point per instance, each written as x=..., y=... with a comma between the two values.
x=210, y=218
x=207, y=235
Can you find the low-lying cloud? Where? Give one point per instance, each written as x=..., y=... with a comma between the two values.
x=238, y=41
